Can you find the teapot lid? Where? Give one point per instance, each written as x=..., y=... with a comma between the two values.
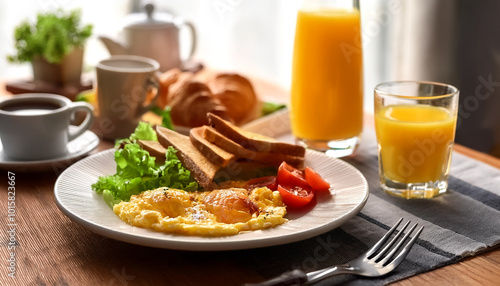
x=149, y=19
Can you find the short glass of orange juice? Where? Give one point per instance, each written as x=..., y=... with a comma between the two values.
x=326, y=104
x=415, y=124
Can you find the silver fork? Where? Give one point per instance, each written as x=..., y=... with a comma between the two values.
x=377, y=261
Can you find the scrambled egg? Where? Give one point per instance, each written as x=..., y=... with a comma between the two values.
x=219, y=212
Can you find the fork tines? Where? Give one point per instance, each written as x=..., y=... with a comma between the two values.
x=381, y=252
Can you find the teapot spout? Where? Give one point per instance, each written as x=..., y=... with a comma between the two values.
x=113, y=47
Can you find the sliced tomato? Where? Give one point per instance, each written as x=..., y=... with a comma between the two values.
x=290, y=176
x=315, y=180
x=295, y=196
x=269, y=181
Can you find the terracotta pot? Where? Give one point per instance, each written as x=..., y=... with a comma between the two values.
x=68, y=71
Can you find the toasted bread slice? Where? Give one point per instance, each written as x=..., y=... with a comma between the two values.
x=273, y=159
x=253, y=141
x=154, y=149
x=202, y=170
x=214, y=153
x=244, y=170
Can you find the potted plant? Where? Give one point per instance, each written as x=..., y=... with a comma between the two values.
x=54, y=46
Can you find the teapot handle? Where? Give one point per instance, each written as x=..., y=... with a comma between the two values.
x=193, y=39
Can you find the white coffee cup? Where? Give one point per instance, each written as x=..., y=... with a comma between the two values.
x=122, y=85
x=36, y=126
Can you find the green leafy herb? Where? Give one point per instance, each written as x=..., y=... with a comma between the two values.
x=270, y=107
x=54, y=35
x=136, y=171
x=166, y=119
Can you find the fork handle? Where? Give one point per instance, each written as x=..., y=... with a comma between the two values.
x=294, y=277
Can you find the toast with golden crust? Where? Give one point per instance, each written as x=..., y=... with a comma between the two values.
x=154, y=149
x=253, y=141
x=273, y=159
x=214, y=153
x=202, y=170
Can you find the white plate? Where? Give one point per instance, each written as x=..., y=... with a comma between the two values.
x=76, y=199
x=77, y=148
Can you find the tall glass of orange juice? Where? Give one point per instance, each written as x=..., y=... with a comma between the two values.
x=415, y=124
x=327, y=77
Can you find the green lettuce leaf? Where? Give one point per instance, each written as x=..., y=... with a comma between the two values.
x=137, y=171
x=143, y=131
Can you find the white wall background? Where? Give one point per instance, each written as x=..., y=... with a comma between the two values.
x=254, y=37
x=452, y=41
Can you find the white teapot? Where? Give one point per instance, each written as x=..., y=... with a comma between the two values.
x=154, y=36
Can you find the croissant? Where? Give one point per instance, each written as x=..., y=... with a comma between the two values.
x=166, y=80
x=180, y=80
x=190, y=101
x=191, y=96
x=237, y=94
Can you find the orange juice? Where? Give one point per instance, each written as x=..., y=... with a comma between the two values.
x=327, y=89
x=415, y=142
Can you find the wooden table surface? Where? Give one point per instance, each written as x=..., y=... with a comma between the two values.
x=49, y=249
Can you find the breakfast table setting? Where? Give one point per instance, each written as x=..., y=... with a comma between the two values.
x=158, y=170
x=457, y=245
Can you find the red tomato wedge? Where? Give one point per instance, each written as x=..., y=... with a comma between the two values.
x=269, y=181
x=290, y=176
x=295, y=196
x=315, y=180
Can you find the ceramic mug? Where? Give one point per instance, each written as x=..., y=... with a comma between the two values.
x=36, y=126
x=122, y=85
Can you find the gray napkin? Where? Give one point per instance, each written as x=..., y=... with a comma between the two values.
x=460, y=223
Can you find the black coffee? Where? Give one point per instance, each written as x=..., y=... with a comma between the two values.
x=30, y=107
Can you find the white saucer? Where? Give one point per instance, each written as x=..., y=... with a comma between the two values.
x=77, y=148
